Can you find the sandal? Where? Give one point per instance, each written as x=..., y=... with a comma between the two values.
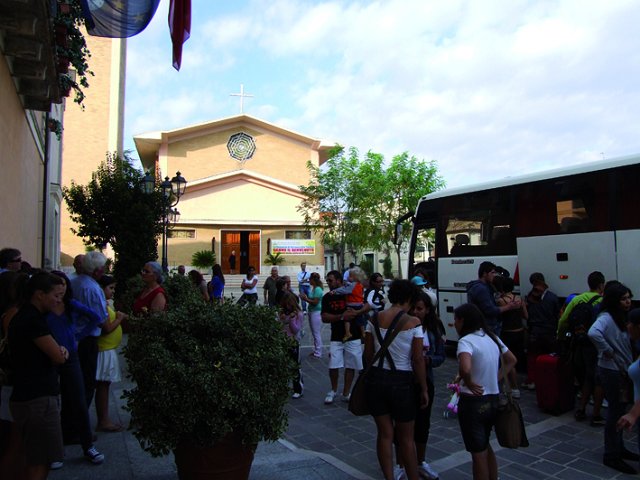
x=113, y=427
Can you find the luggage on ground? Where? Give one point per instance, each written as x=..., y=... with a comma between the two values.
x=554, y=384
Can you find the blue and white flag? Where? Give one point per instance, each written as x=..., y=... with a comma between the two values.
x=118, y=18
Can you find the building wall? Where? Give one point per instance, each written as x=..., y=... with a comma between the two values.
x=180, y=250
x=239, y=200
x=205, y=155
x=90, y=134
x=224, y=194
x=21, y=182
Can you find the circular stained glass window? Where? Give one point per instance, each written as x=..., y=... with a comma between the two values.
x=241, y=146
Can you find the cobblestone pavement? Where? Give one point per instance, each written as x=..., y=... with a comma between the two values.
x=560, y=447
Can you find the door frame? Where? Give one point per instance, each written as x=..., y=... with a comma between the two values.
x=257, y=264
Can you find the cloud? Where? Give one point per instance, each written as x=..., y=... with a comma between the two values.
x=488, y=89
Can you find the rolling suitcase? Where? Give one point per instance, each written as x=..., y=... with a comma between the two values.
x=554, y=384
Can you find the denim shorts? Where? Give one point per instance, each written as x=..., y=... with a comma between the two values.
x=477, y=416
x=391, y=393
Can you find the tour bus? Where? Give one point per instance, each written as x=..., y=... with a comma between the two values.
x=564, y=223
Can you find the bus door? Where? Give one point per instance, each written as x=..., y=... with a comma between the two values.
x=469, y=238
x=454, y=273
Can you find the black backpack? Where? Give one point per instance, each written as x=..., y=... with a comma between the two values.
x=581, y=318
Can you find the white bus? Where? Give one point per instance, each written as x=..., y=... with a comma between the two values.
x=564, y=223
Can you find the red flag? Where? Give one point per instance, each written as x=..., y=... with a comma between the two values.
x=180, y=27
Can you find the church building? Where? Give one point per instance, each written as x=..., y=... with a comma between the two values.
x=243, y=189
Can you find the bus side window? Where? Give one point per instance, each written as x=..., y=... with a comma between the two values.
x=502, y=241
x=571, y=225
x=460, y=244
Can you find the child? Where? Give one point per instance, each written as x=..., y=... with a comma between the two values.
x=108, y=366
x=291, y=317
x=355, y=299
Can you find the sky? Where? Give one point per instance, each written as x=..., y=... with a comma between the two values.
x=485, y=88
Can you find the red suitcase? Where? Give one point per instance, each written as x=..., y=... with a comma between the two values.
x=554, y=384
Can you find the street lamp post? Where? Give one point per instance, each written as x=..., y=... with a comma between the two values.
x=172, y=190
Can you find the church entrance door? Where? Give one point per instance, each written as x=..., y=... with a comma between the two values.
x=246, y=245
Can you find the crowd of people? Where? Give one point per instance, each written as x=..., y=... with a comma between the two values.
x=59, y=339
x=61, y=333
x=592, y=335
x=399, y=386
x=600, y=350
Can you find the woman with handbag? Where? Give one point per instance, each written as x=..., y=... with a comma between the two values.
x=390, y=382
x=479, y=352
x=609, y=334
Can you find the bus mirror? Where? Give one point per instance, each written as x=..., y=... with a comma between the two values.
x=397, y=238
x=398, y=235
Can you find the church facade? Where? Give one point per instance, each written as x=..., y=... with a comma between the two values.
x=242, y=194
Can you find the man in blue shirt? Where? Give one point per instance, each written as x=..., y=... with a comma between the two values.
x=87, y=291
x=482, y=294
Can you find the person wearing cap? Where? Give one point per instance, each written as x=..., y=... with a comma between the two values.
x=423, y=283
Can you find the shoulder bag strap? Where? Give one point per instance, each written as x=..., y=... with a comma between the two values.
x=390, y=330
x=400, y=319
x=505, y=382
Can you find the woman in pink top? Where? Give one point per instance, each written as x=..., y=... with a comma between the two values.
x=291, y=317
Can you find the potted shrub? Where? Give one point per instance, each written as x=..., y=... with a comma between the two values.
x=211, y=382
x=276, y=259
x=204, y=260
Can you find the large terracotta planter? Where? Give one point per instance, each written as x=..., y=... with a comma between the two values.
x=229, y=459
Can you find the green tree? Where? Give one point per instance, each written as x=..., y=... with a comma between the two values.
x=406, y=181
x=114, y=209
x=328, y=206
x=354, y=203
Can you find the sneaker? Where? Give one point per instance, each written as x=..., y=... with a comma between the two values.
x=426, y=472
x=398, y=473
x=328, y=400
x=580, y=415
x=597, y=421
x=345, y=398
x=94, y=456
x=56, y=465
x=515, y=393
x=296, y=395
x=528, y=386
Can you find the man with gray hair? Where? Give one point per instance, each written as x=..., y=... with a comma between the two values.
x=87, y=290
